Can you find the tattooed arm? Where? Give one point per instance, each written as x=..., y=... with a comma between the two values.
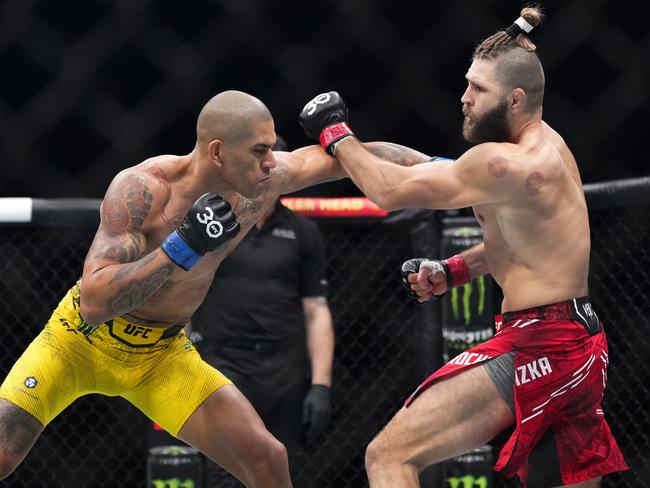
x=118, y=274
x=311, y=165
x=396, y=153
x=470, y=180
x=305, y=167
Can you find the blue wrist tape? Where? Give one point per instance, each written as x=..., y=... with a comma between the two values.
x=436, y=159
x=180, y=251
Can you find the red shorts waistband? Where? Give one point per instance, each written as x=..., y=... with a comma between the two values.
x=578, y=309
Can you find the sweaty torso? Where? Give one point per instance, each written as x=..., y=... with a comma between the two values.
x=179, y=296
x=537, y=242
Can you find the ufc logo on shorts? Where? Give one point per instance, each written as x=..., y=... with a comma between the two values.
x=532, y=371
x=137, y=330
x=213, y=227
x=318, y=100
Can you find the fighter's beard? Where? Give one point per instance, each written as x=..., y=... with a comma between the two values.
x=491, y=127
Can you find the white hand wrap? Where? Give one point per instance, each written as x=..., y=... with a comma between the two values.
x=432, y=266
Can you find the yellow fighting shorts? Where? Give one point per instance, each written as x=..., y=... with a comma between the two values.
x=160, y=373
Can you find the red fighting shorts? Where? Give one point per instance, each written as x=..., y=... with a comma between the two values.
x=560, y=360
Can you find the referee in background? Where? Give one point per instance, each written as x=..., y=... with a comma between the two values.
x=265, y=323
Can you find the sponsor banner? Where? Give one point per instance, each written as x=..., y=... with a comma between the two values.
x=470, y=470
x=467, y=314
x=174, y=467
x=333, y=207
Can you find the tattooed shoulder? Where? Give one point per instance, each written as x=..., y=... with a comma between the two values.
x=127, y=203
x=126, y=206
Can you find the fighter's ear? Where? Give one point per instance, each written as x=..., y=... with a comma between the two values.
x=214, y=151
x=517, y=100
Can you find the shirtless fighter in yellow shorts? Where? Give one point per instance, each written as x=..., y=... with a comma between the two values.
x=162, y=235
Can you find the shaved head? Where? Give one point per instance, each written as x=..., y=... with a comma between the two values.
x=522, y=69
x=229, y=116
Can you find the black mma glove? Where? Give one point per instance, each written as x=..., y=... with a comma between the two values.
x=325, y=117
x=316, y=411
x=408, y=267
x=454, y=268
x=207, y=225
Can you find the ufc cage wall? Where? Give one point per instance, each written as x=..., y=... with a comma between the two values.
x=385, y=343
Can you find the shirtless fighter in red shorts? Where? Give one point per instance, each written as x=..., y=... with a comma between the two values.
x=544, y=372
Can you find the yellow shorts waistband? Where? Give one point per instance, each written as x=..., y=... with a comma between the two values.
x=136, y=335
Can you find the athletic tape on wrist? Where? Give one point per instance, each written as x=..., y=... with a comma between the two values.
x=179, y=251
x=334, y=145
x=458, y=272
x=334, y=133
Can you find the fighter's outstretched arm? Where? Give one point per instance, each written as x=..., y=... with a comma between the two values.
x=472, y=179
x=311, y=165
x=476, y=177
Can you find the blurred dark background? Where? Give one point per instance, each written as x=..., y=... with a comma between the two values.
x=88, y=88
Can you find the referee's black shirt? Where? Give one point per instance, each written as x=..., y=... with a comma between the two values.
x=256, y=293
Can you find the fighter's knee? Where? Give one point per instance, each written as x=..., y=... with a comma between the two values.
x=276, y=454
x=270, y=459
x=384, y=453
x=7, y=464
x=377, y=453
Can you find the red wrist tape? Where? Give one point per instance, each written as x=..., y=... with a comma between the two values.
x=458, y=271
x=333, y=133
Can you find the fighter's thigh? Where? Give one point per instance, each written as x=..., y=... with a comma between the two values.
x=175, y=382
x=449, y=418
x=50, y=374
x=227, y=428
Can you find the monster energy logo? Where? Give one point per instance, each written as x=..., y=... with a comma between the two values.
x=173, y=483
x=468, y=290
x=461, y=303
x=467, y=481
x=463, y=237
x=174, y=450
x=462, y=336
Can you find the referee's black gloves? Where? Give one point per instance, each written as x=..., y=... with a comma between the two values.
x=316, y=411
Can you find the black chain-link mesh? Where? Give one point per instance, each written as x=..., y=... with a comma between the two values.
x=88, y=88
x=620, y=285
x=374, y=329
x=98, y=441
x=102, y=441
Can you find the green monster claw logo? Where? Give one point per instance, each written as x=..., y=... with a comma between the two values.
x=470, y=236
x=467, y=481
x=468, y=289
x=173, y=483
